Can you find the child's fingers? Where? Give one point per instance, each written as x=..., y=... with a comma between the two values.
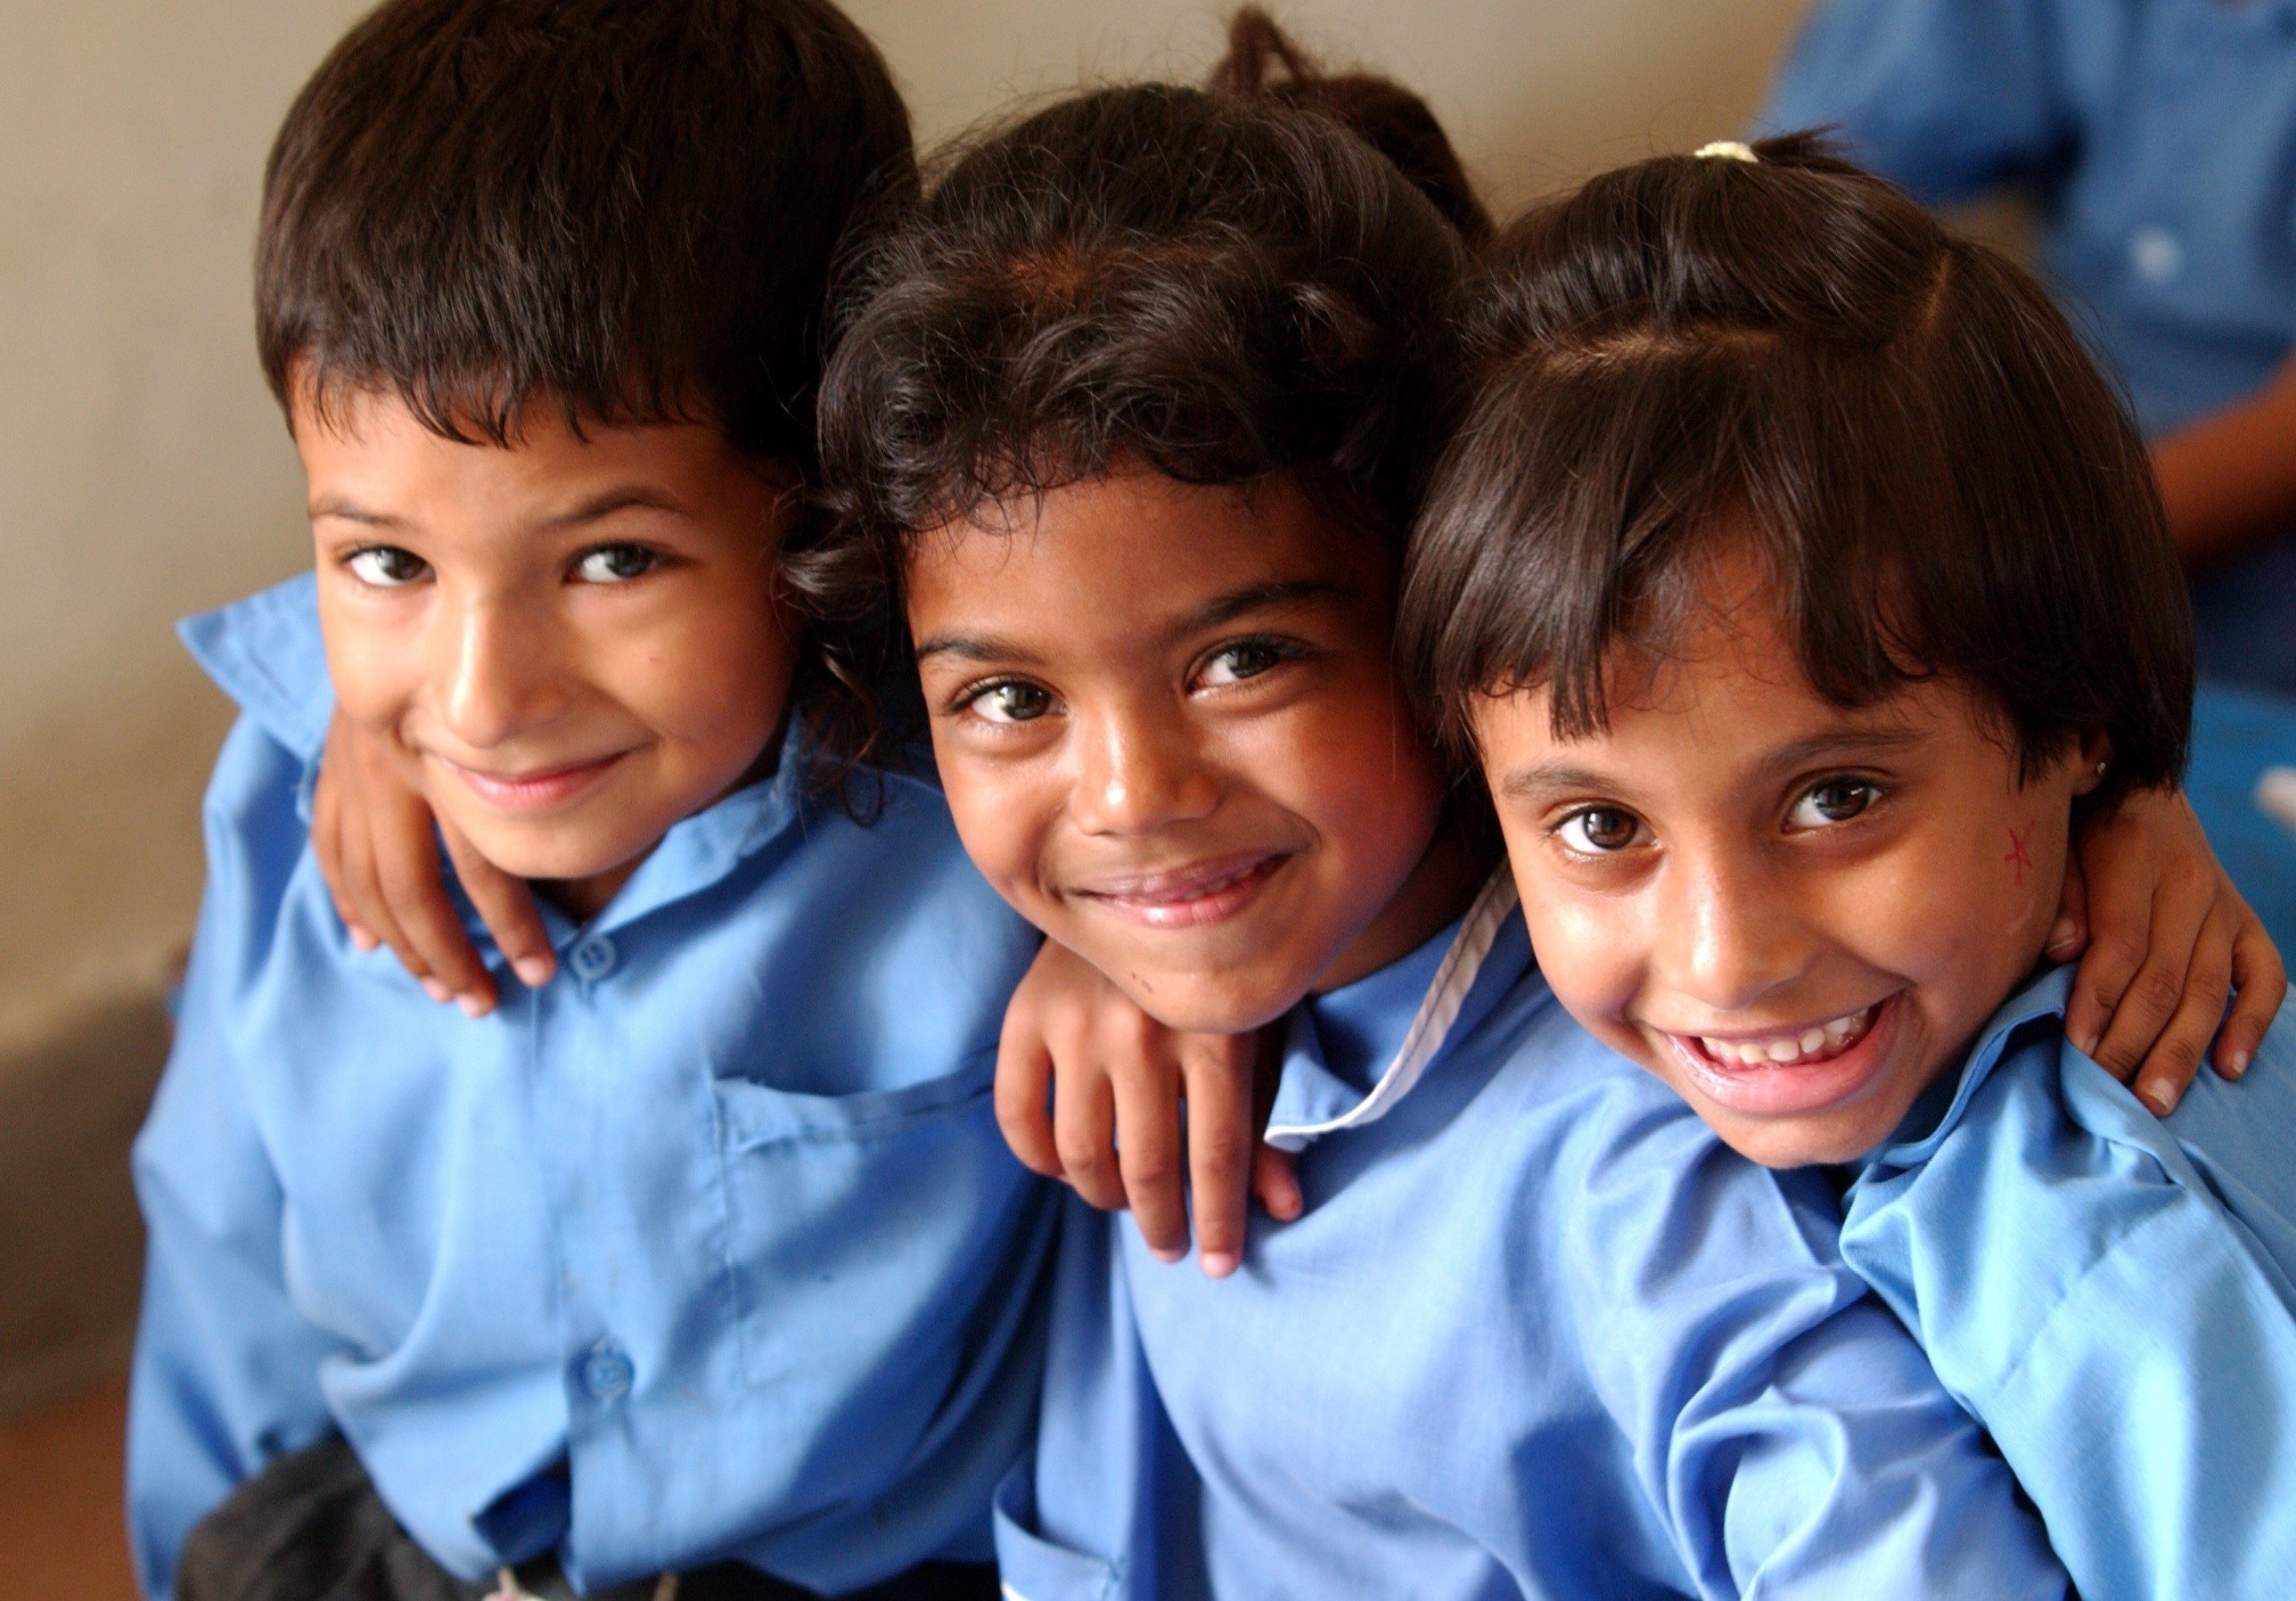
x=1084, y=1133
x=1147, y=1098
x=1220, y=1129
x=1024, y=1098
x=1275, y=1180
x=506, y=906
x=363, y=887
x=2117, y=951
x=2068, y=933
x=2259, y=984
x=2174, y=1058
x=326, y=850
x=406, y=864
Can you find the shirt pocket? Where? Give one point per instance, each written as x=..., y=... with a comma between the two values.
x=860, y=1229
x=1032, y=1568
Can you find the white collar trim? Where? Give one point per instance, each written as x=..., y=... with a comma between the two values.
x=1438, y=1009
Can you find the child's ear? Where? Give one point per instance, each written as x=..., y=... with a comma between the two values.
x=2091, y=758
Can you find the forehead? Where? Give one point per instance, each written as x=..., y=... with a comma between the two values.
x=1111, y=556
x=371, y=445
x=1726, y=703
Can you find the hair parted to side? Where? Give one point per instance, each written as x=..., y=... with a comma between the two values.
x=1223, y=286
x=1790, y=359
x=626, y=208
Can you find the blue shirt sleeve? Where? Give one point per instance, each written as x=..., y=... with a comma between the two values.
x=226, y=1372
x=2113, y=1309
x=1946, y=97
x=1793, y=1437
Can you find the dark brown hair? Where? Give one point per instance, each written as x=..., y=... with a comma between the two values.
x=1789, y=357
x=1220, y=285
x=629, y=207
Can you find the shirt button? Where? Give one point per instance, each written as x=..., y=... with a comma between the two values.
x=592, y=959
x=2155, y=255
x=607, y=1372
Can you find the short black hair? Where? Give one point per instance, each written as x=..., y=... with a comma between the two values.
x=1224, y=286
x=628, y=208
x=1904, y=432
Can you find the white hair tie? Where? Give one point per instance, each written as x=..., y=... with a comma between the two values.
x=1727, y=150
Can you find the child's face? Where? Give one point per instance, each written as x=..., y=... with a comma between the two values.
x=570, y=644
x=1795, y=915
x=1168, y=725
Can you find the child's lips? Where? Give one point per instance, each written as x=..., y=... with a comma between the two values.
x=538, y=790
x=1790, y=1072
x=1190, y=897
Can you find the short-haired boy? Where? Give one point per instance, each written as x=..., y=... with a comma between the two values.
x=704, y=1256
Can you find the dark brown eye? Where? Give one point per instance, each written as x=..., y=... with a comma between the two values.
x=386, y=566
x=1599, y=829
x=1834, y=801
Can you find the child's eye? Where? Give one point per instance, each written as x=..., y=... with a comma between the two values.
x=616, y=563
x=1245, y=659
x=386, y=566
x=1599, y=830
x=1834, y=801
x=1011, y=702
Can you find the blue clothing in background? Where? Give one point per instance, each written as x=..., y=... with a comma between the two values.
x=708, y=1248
x=1539, y=1333
x=2237, y=734
x=2110, y=1293
x=2159, y=139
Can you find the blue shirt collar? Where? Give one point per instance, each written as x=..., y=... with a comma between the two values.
x=265, y=652
x=1454, y=979
x=1936, y=1115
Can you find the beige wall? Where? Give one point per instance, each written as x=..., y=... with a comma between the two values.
x=144, y=472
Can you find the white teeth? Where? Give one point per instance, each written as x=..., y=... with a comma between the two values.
x=1790, y=1047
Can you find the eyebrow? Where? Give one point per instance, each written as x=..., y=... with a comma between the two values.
x=1541, y=779
x=1212, y=614
x=604, y=505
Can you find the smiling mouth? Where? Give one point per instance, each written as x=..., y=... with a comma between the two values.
x=1190, y=897
x=1802, y=1047
x=537, y=790
x=1789, y=1072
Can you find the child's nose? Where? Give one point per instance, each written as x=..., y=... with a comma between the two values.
x=1136, y=775
x=500, y=679
x=1729, y=940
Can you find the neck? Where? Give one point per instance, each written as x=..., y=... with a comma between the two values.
x=1438, y=893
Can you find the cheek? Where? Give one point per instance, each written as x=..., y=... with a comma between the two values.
x=1003, y=812
x=1357, y=770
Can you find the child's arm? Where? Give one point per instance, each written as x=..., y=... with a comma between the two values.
x=1116, y=1079
x=2170, y=939
x=226, y=1372
x=2228, y=479
x=377, y=846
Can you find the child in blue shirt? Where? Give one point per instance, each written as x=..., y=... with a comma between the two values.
x=1125, y=425
x=2159, y=139
x=1798, y=603
x=703, y=1256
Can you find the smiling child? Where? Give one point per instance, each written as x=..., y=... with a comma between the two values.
x=1129, y=422
x=1801, y=586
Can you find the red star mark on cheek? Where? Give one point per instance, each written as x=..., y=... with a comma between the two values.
x=2019, y=858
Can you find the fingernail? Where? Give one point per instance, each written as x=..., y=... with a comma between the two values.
x=2237, y=1065
x=473, y=1006
x=1219, y=1264
x=362, y=939
x=437, y=991
x=1167, y=1254
x=2062, y=935
x=2155, y=1099
x=533, y=972
x=2086, y=1043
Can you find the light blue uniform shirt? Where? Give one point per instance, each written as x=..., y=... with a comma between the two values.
x=1539, y=1333
x=2110, y=1293
x=720, y=1218
x=2159, y=137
